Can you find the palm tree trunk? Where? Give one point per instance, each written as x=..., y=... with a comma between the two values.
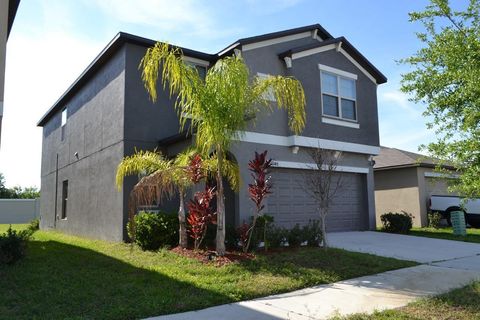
x=183, y=240
x=220, y=241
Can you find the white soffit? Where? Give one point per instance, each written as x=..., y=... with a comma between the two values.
x=270, y=42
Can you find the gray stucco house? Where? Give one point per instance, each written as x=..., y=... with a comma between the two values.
x=106, y=114
x=405, y=181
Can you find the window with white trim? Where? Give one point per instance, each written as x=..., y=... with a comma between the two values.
x=64, y=117
x=269, y=95
x=339, y=96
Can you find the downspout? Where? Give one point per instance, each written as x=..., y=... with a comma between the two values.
x=56, y=194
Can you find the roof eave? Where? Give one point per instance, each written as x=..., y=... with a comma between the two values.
x=12, y=12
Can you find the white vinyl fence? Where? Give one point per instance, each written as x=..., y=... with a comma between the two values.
x=19, y=210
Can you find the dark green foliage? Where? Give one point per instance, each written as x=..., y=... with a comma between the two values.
x=13, y=245
x=276, y=236
x=295, y=237
x=434, y=219
x=312, y=234
x=154, y=230
x=395, y=222
x=17, y=192
x=34, y=225
x=231, y=237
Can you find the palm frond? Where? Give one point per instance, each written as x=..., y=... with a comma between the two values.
x=289, y=95
x=141, y=162
x=182, y=79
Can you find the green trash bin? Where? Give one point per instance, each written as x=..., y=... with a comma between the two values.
x=458, y=223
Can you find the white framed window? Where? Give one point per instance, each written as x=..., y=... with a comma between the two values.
x=339, y=94
x=269, y=95
x=64, y=117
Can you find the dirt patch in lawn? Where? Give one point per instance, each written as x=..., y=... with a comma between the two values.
x=211, y=257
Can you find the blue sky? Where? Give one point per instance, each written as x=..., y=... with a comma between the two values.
x=52, y=41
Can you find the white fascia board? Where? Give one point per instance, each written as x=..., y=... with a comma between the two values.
x=228, y=49
x=309, y=52
x=342, y=123
x=338, y=71
x=313, y=166
x=335, y=145
x=349, y=57
x=196, y=61
x=270, y=42
x=441, y=175
x=302, y=141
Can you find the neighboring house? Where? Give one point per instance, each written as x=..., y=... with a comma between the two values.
x=8, y=10
x=405, y=181
x=107, y=113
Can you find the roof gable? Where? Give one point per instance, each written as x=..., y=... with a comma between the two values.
x=342, y=45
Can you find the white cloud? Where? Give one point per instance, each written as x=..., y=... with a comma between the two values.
x=185, y=16
x=40, y=67
x=397, y=98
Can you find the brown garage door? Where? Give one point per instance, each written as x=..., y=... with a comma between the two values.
x=290, y=204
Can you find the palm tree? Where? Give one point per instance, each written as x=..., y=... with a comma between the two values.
x=162, y=178
x=218, y=108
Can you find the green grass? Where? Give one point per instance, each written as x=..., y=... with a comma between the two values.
x=460, y=304
x=67, y=277
x=4, y=227
x=473, y=235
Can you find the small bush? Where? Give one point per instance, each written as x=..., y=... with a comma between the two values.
x=154, y=230
x=34, y=225
x=295, y=237
x=231, y=237
x=395, y=222
x=13, y=245
x=311, y=233
x=276, y=236
x=434, y=220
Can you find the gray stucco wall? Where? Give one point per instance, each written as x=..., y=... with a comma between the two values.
x=94, y=131
x=265, y=60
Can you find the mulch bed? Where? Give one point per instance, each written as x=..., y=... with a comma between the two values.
x=210, y=256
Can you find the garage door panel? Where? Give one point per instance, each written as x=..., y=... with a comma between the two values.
x=290, y=204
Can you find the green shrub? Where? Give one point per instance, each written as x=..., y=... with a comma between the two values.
x=154, y=230
x=434, y=219
x=395, y=222
x=13, y=245
x=294, y=236
x=276, y=236
x=231, y=238
x=34, y=225
x=311, y=233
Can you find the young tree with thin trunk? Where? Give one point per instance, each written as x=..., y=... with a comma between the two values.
x=322, y=183
x=218, y=108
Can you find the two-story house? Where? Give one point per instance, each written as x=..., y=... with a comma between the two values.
x=106, y=114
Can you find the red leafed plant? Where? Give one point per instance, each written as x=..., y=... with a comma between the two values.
x=194, y=170
x=260, y=187
x=201, y=214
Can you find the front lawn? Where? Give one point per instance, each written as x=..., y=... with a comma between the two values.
x=460, y=304
x=71, y=277
x=473, y=235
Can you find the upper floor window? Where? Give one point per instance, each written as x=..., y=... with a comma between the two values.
x=339, y=96
x=64, y=117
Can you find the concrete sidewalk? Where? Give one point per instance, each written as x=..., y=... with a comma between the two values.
x=386, y=290
x=447, y=265
x=403, y=247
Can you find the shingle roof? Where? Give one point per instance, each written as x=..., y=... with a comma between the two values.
x=395, y=158
x=349, y=48
x=12, y=11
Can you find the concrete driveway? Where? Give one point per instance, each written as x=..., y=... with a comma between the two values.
x=403, y=247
